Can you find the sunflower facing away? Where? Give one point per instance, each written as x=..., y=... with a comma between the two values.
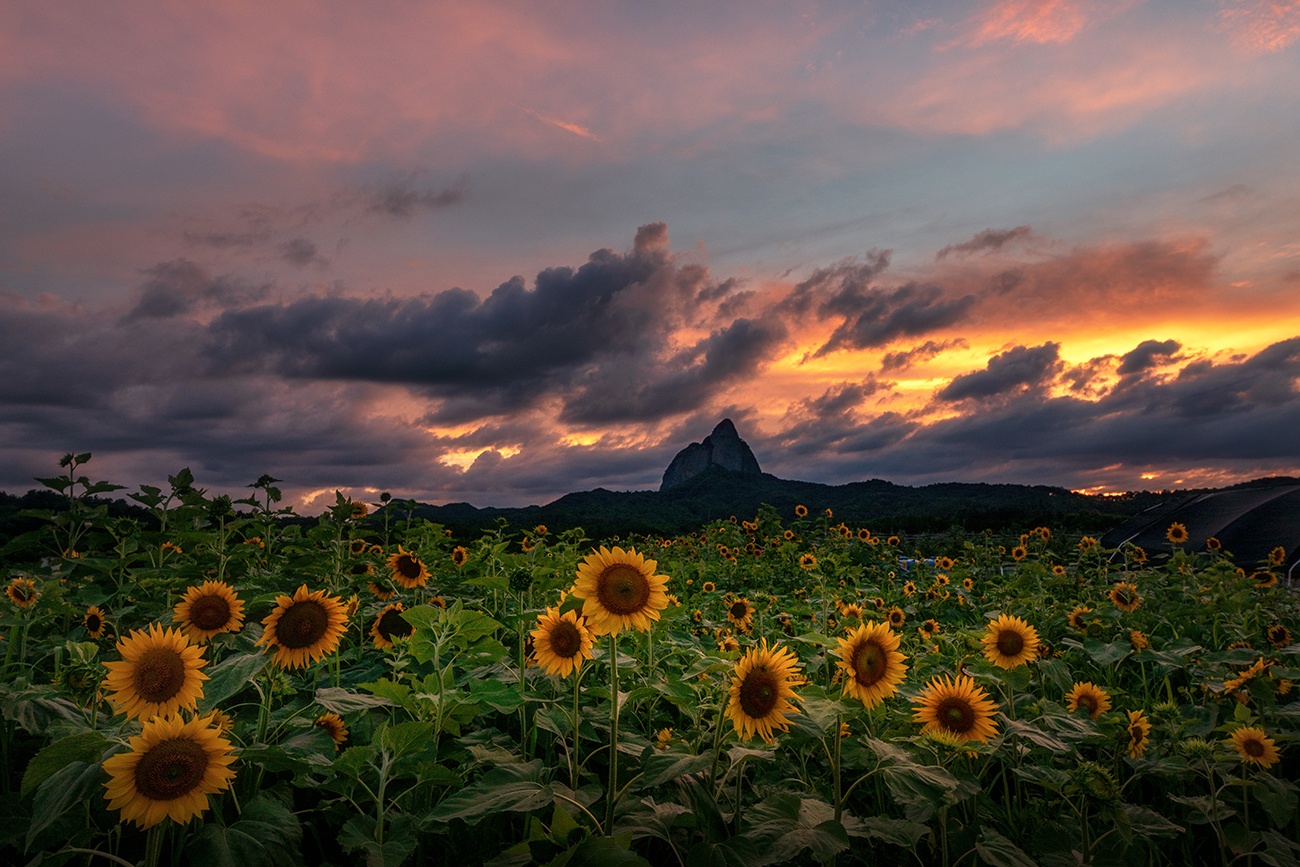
x=1090, y=697
x=620, y=590
x=1255, y=747
x=389, y=625
x=303, y=627
x=170, y=770
x=334, y=726
x=561, y=642
x=1010, y=642
x=208, y=610
x=1139, y=733
x=22, y=592
x=762, y=691
x=1125, y=596
x=741, y=614
x=957, y=708
x=407, y=569
x=94, y=622
x=158, y=674
x=872, y=666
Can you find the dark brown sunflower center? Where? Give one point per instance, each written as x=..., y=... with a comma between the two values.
x=759, y=693
x=159, y=674
x=93, y=623
x=391, y=624
x=1010, y=642
x=739, y=610
x=1136, y=736
x=302, y=624
x=622, y=589
x=210, y=612
x=1088, y=702
x=408, y=567
x=21, y=592
x=171, y=769
x=566, y=641
x=956, y=715
x=869, y=663
x=896, y=618
x=1253, y=747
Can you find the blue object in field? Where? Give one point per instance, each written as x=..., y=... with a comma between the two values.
x=906, y=563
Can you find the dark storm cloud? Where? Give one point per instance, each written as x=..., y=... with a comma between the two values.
x=986, y=241
x=1146, y=355
x=300, y=251
x=1018, y=369
x=876, y=318
x=404, y=199
x=906, y=358
x=180, y=287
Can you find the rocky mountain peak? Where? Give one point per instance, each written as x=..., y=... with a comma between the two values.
x=722, y=448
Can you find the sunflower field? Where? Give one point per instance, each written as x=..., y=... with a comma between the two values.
x=226, y=683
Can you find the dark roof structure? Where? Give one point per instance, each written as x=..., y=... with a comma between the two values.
x=1249, y=521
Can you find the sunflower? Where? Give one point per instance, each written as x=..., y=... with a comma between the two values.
x=1176, y=534
x=158, y=674
x=172, y=547
x=844, y=531
x=957, y=708
x=741, y=614
x=334, y=726
x=788, y=535
x=561, y=642
x=390, y=625
x=1213, y=544
x=208, y=610
x=896, y=617
x=1125, y=596
x=1075, y=617
x=620, y=590
x=1139, y=554
x=1010, y=642
x=807, y=561
x=1090, y=697
x=359, y=569
x=1259, y=579
x=1277, y=556
x=22, y=592
x=407, y=569
x=1138, y=639
x=383, y=594
x=864, y=535
x=663, y=738
x=170, y=770
x=851, y=611
x=358, y=546
x=1058, y=570
x=909, y=588
x=801, y=510
x=762, y=692
x=303, y=627
x=967, y=584
x=1019, y=553
x=893, y=541
x=1045, y=533
x=944, y=563
x=1279, y=635
x=459, y=556
x=708, y=587
x=94, y=622
x=1255, y=747
x=728, y=643
x=1086, y=544
x=872, y=666
x=1139, y=733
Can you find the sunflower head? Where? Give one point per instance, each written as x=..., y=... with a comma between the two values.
x=871, y=663
x=897, y=617
x=1279, y=635
x=561, y=642
x=1213, y=544
x=22, y=592
x=390, y=627
x=1075, y=617
x=801, y=510
x=1138, y=640
x=741, y=614
x=957, y=708
x=620, y=590
x=1277, y=556
x=807, y=561
x=1019, y=553
x=762, y=692
x=157, y=675
x=1090, y=697
x=1255, y=747
x=334, y=726
x=1125, y=596
x=459, y=556
x=407, y=569
x=304, y=627
x=170, y=770
x=1176, y=534
x=93, y=620
x=209, y=610
x=1138, y=733
x=1010, y=642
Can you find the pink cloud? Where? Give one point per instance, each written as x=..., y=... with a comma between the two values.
x=1262, y=25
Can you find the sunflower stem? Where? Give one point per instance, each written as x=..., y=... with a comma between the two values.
x=835, y=766
x=574, y=765
x=613, y=733
x=153, y=845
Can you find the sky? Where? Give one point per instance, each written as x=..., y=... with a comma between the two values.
x=497, y=252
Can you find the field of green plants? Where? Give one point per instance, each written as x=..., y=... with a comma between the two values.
x=217, y=685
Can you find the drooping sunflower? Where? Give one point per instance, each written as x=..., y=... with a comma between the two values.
x=620, y=590
x=872, y=666
x=561, y=642
x=1264, y=579
x=807, y=561
x=1090, y=697
x=408, y=570
x=1125, y=596
x=1139, y=733
x=1279, y=635
x=303, y=627
x=93, y=620
x=1010, y=642
x=334, y=726
x=957, y=708
x=22, y=592
x=1255, y=747
x=158, y=674
x=897, y=617
x=762, y=691
x=169, y=772
x=741, y=614
x=389, y=625
x=459, y=556
x=208, y=610
x=1075, y=617
x=1176, y=534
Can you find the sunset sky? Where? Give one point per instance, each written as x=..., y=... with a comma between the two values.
x=496, y=252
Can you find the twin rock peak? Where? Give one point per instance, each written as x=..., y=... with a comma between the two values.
x=722, y=448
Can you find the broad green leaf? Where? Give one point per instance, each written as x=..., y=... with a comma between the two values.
x=503, y=789
x=266, y=834
x=1276, y=796
x=1107, y=654
x=660, y=768
x=230, y=677
x=899, y=832
x=735, y=852
x=64, y=790
x=343, y=701
x=1035, y=735
x=998, y=851
x=82, y=747
x=1148, y=823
